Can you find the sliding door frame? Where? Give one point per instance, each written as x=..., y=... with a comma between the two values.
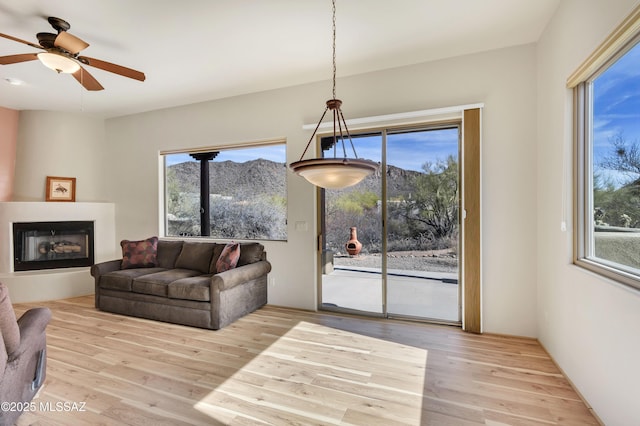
x=471, y=221
x=469, y=123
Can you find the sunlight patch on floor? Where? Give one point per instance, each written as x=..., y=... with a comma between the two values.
x=318, y=374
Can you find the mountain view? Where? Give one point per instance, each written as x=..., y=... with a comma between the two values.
x=248, y=200
x=231, y=178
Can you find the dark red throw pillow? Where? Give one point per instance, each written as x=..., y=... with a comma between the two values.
x=229, y=257
x=139, y=254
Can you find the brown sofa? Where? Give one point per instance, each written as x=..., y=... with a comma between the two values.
x=184, y=287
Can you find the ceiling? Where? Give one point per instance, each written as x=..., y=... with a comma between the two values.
x=198, y=50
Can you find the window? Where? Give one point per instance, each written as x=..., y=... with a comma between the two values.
x=227, y=193
x=607, y=108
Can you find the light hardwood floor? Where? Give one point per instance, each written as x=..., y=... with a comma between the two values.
x=288, y=367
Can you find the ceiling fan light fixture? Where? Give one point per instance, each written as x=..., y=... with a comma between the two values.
x=60, y=53
x=58, y=63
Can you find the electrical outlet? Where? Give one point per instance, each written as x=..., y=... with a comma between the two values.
x=272, y=282
x=563, y=226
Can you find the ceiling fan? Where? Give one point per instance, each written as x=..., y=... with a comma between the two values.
x=61, y=54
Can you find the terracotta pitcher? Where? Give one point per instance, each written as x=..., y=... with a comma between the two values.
x=353, y=246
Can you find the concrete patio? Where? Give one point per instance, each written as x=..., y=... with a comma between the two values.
x=423, y=294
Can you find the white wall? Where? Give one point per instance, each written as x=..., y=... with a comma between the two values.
x=59, y=144
x=504, y=80
x=8, y=142
x=589, y=325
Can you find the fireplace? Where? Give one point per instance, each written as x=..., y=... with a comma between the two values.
x=51, y=245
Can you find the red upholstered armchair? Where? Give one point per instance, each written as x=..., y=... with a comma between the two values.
x=23, y=350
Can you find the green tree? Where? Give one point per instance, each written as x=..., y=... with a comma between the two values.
x=624, y=157
x=357, y=202
x=618, y=205
x=433, y=207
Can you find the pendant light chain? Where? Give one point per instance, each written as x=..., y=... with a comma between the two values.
x=337, y=112
x=334, y=49
x=336, y=117
x=334, y=173
x=334, y=89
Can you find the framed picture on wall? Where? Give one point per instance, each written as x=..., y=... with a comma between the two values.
x=61, y=188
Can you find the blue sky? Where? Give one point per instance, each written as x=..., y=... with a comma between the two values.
x=273, y=153
x=411, y=150
x=616, y=109
x=406, y=150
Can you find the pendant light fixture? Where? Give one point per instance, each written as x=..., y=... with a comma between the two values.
x=336, y=172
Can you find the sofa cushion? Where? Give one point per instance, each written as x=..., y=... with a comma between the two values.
x=196, y=256
x=192, y=288
x=168, y=252
x=122, y=279
x=139, y=254
x=228, y=258
x=157, y=283
x=217, y=250
x=250, y=253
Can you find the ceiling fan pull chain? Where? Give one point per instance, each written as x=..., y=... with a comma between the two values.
x=81, y=91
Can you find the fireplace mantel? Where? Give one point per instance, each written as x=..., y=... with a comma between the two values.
x=31, y=286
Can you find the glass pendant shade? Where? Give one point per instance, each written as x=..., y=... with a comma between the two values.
x=58, y=63
x=334, y=173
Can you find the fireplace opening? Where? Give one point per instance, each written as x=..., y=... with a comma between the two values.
x=51, y=245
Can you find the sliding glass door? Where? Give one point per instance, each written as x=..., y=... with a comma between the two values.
x=351, y=222
x=422, y=226
x=390, y=244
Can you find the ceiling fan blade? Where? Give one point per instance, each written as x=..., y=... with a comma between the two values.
x=14, y=59
x=28, y=43
x=70, y=43
x=87, y=80
x=116, y=69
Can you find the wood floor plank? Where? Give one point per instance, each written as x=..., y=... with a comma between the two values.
x=280, y=366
